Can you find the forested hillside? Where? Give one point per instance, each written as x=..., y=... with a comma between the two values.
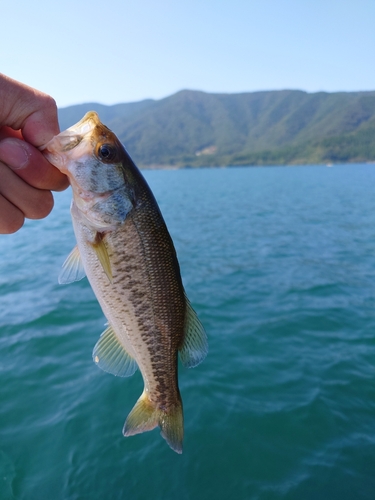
x=193, y=128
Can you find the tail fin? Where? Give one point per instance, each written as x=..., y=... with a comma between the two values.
x=145, y=417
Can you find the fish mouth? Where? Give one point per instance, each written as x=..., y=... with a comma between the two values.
x=85, y=126
x=55, y=150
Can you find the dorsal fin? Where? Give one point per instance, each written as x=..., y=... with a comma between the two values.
x=195, y=347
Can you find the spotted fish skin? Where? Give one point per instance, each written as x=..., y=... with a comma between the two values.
x=125, y=249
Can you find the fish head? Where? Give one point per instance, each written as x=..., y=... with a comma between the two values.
x=93, y=158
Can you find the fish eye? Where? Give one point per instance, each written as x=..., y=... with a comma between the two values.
x=107, y=152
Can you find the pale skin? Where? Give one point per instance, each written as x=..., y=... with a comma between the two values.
x=28, y=120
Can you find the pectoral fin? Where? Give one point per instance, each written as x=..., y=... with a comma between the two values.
x=102, y=254
x=110, y=355
x=195, y=347
x=72, y=269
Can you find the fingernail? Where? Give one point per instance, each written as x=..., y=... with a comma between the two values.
x=14, y=153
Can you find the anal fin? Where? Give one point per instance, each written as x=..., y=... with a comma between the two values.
x=111, y=356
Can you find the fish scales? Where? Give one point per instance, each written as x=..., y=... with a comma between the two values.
x=124, y=247
x=152, y=295
x=144, y=315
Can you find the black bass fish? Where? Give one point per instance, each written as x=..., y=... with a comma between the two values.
x=124, y=248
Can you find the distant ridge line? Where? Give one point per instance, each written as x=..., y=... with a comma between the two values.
x=195, y=128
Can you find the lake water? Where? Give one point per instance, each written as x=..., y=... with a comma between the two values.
x=279, y=263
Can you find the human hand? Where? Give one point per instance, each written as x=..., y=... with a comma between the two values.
x=28, y=119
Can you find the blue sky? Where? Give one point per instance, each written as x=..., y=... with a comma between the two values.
x=112, y=51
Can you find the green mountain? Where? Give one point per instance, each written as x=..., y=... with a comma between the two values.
x=193, y=128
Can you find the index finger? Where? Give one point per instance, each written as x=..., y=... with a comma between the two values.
x=28, y=109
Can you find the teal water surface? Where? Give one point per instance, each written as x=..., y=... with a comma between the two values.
x=280, y=265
